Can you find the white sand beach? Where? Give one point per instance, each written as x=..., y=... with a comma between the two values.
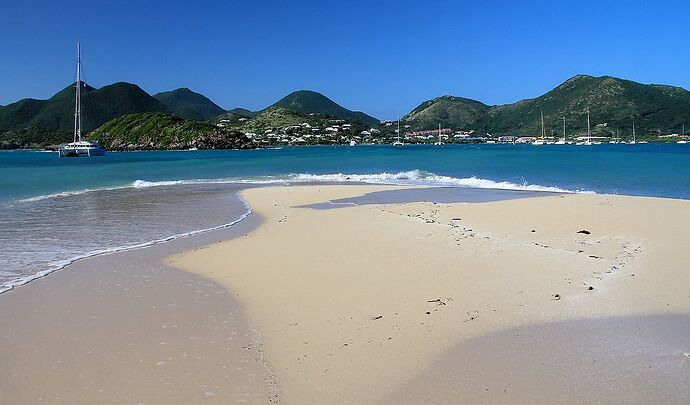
x=358, y=304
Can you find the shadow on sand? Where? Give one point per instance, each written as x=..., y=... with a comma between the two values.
x=636, y=359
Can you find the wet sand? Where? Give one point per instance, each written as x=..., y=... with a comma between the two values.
x=126, y=328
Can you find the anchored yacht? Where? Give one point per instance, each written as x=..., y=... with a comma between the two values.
x=79, y=147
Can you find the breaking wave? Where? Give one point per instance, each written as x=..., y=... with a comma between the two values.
x=412, y=177
x=420, y=177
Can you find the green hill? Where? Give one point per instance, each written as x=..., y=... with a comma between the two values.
x=280, y=119
x=235, y=117
x=98, y=107
x=164, y=131
x=308, y=102
x=188, y=104
x=271, y=118
x=611, y=102
x=449, y=111
x=242, y=112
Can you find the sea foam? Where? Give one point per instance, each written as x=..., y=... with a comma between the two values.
x=420, y=177
x=60, y=264
x=412, y=177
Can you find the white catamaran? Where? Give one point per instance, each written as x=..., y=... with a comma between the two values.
x=79, y=147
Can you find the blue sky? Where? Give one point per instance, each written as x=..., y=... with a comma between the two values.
x=381, y=57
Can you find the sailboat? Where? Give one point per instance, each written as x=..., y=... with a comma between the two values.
x=562, y=141
x=397, y=142
x=79, y=147
x=440, y=142
x=634, y=141
x=540, y=141
x=589, y=133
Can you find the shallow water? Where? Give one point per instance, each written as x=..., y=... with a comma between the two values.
x=444, y=195
x=45, y=235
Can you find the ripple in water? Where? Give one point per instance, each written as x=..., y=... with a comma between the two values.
x=42, y=236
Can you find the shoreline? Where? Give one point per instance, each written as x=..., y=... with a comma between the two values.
x=477, y=194
x=125, y=248
x=126, y=327
x=335, y=324
x=53, y=148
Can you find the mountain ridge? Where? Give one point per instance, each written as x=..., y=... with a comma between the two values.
x=98, y=106
x=612, y=103
x=189, y=104
x=310, y=102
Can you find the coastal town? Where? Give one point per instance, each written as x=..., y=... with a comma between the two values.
x=344, y=132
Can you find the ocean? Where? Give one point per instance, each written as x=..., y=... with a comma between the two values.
x=54, y=211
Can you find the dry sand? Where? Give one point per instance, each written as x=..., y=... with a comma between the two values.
x=492, y=302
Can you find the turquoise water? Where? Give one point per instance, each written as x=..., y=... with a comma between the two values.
x=661, y=170
x=54, y=211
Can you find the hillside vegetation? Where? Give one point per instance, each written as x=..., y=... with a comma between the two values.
x=164, y=131
x=449, y=111
x=242, y=112
x=188, y=104
x=308, y=102
x=612, y=103
x=34, y=138
x=98, y=107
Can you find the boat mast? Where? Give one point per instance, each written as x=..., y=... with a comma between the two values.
x=439, y=134
x=398, y=129
x=77, y=99
x=633, y=129
x=542, y=125
x=589, y=132
x=564, y=139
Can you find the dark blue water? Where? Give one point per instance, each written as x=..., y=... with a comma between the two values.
x=54, y=210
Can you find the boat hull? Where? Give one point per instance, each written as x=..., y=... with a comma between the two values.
x=81, y=152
